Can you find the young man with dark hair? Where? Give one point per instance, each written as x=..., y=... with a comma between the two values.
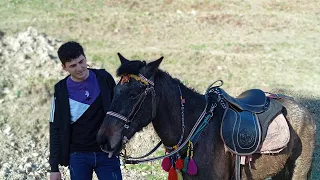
x=79, y=105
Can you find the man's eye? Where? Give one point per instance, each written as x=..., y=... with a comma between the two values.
x=81, y=62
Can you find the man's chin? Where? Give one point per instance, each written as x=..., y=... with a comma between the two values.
x=81, y=77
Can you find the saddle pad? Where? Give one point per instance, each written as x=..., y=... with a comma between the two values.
x=278, y=136
x=267, y=116
x=241, y=132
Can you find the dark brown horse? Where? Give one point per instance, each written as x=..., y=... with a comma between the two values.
x=147, y=94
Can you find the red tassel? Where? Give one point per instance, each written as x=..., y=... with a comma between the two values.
x=192, y=167
x=172, y=174
x=179, y=163
x=166, y=164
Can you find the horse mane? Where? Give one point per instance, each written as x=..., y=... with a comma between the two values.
x=130, y=67
x=161, y=77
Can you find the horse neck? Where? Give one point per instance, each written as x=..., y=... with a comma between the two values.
x=168, y=123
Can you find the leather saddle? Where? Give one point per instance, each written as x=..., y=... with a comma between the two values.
x=253, y=100
x=246, y=119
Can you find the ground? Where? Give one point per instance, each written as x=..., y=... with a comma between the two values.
x=266, y=44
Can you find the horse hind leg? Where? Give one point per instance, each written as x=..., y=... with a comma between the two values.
x=285, y=173
x=302, y=155
x=298, y=165
x=301, y=168
x=294, y=171
x=302, y=142
x=300, y=162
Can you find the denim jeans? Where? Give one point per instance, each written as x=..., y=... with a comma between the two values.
x=82, y=165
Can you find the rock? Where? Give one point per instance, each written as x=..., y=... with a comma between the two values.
x=7, y=130
x=35, y=154
x=28, y=167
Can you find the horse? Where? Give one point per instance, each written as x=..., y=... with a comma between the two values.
x=146, y=94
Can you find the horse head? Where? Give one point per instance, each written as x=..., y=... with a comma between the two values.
x=133, y=106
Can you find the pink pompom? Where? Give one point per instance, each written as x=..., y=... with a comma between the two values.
x=166, y=164
x=192, y=167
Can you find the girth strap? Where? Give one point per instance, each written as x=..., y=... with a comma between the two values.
x=238, y=167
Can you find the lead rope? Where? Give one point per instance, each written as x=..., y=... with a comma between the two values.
x=182, y=101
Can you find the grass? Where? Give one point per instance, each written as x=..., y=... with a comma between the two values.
x=248, y=44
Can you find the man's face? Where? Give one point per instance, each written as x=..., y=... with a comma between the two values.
x=77, y=68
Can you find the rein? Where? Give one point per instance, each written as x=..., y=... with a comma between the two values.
x=137, y=161
x=150, y=88
x=193, y=135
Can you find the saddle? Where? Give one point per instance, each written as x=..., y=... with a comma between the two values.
x=253, y=100
x=245, y=123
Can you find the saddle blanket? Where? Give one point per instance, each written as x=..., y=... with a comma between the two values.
x=278, y=136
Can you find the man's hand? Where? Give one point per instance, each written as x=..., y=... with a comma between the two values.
x=55, y=176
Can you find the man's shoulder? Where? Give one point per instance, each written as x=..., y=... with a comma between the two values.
x=61, y=83
x=101, y=72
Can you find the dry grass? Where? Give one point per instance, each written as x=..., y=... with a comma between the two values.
x=263, y=44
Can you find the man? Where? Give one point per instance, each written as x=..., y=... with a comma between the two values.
x=80, y=103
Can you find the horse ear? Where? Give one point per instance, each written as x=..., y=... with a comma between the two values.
x=151, y=67
x=122, y=59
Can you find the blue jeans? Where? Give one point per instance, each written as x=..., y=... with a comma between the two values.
x=82, y=165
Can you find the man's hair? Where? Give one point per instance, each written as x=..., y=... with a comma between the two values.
x=69, y=51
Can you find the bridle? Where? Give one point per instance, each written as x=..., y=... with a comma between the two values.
x=136, y=107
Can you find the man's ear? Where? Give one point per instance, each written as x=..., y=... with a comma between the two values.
x=63, y=67
x=151, y=68
x=122, y=59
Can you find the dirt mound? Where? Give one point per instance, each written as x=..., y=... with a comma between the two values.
x=29, y=68
x=28, y=64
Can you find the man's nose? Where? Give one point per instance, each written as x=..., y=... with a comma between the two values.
x=78, y=68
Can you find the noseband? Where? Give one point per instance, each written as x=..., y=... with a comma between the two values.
x=136, y=107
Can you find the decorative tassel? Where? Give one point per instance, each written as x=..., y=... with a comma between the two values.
x=179, y=175
x=185, y=164
x=179, y=164
x=186, y=159
x=166, y=164
x=172, y=174
x=192, y=167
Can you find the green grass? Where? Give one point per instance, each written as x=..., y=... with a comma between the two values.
x=248, y=44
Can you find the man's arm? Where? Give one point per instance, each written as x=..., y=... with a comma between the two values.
x=54, y=138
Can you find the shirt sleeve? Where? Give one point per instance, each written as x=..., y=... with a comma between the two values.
x=54, y=138
x=52, y=109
